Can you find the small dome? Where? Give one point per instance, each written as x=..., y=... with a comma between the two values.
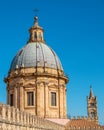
x=36, y=54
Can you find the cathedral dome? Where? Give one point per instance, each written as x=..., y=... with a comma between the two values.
x=36, y=54
x=36, y=82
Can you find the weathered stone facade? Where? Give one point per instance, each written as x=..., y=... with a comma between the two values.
x=42, y=83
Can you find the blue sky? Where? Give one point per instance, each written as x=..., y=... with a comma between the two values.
x=75, y=31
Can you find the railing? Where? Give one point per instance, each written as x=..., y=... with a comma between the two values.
x=11, y=118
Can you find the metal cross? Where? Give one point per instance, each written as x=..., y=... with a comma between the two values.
x=36, y=11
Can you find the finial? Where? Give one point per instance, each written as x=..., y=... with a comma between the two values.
x=36, y=11
x=36, y=17
x=36, y=20
x=22, y=65
x=16, y=66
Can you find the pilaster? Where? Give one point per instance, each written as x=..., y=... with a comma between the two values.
x=15, y=96
x=21, y=98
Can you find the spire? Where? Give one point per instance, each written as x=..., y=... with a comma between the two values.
x=91, y=92
x=36, y=32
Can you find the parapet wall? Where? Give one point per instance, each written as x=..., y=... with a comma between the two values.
x=13, y=119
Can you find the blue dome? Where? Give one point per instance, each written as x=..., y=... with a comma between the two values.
x=36, y=54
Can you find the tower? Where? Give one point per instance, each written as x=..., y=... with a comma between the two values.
x=92, y=107
x=36, y=82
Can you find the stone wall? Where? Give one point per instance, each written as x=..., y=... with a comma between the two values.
x=13, y=119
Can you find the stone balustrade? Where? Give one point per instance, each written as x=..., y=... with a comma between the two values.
x=11, y=118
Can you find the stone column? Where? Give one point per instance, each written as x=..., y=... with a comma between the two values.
x=8, y=102
x=47, y=100
x=3, y=112
x=61, y=101
x=40, y=98
x=21, y=98
x=15, y=97
x=65, y=111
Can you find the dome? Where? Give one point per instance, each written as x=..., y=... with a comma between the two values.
x=36, y=54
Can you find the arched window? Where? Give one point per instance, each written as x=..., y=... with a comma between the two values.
x=92, y=104
x=92, y=114
x=35, y=35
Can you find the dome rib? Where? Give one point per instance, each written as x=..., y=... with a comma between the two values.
x=56, y=60
x=43, y=55
x=22, y=62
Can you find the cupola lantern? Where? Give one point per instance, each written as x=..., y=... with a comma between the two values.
x=36, y=32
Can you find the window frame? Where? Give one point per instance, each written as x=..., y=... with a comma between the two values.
x=35, y=35
x=53, y=100
x=92, y=104
x=11, y=99
x=30, y=98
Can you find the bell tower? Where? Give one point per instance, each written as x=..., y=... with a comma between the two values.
x=92, y=107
